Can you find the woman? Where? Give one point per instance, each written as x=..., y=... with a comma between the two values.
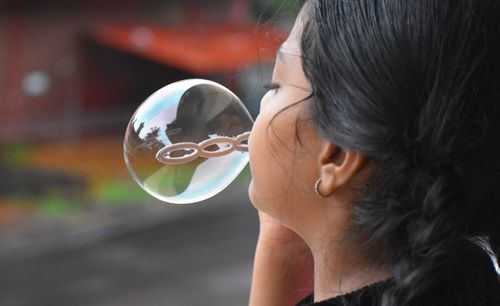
x=376, y=158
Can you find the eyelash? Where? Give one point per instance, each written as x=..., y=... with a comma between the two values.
x=271, y=86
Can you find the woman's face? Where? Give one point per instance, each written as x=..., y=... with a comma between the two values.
x=284, y=172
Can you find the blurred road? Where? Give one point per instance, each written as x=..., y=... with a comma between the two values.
x=202, y=258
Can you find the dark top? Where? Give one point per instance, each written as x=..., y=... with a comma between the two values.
x=370, y=295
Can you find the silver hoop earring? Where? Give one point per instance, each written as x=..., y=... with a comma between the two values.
x=316, y=189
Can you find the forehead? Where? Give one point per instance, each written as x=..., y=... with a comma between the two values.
x=291, y=46
x=287, y=50
x=288, y=53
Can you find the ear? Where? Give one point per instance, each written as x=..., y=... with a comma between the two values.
x=337, y=169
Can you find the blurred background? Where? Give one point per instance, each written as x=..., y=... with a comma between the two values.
x=74, y=228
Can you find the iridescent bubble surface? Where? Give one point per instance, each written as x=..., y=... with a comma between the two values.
x=187, y=141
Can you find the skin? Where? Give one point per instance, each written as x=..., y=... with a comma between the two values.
x=299, y=248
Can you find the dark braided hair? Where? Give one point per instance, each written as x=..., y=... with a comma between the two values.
x=414, y=85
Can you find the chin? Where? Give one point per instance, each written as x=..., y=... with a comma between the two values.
x=253, y=196
x=251, y=193
x=260, y=204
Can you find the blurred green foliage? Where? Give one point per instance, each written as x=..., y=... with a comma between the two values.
x=53, y=205
x=16, y=152
x=122, y=191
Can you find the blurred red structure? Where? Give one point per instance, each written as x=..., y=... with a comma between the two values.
x=198, y=49
x=68, y=68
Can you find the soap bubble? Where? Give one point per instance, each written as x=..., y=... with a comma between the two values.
x=188, y=141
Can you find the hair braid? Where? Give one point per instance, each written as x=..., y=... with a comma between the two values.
x=431, y=237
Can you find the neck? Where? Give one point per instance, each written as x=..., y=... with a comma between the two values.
x=339, y=269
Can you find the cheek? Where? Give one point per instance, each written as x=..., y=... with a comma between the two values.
x=270, y=161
